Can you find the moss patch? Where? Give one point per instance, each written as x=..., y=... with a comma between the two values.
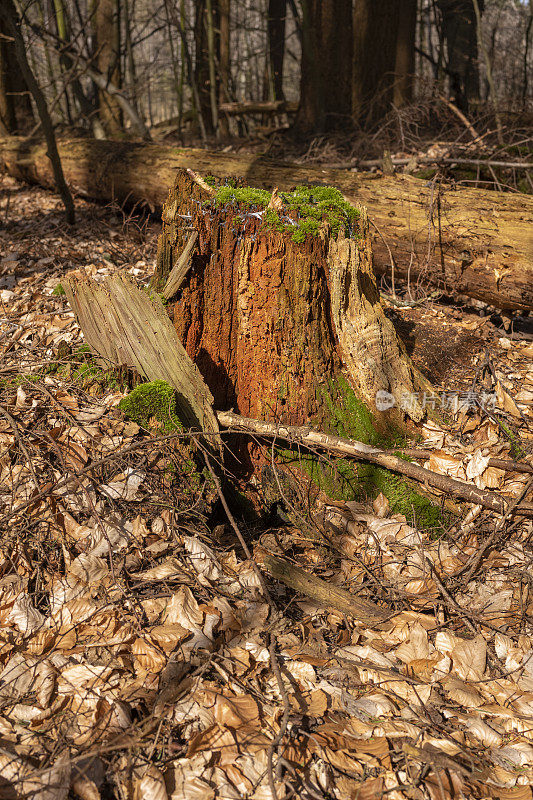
x=346, y=479
x=152, y=405
x=58, y=291
x=303, y=213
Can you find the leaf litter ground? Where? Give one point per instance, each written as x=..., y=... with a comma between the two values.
x=139, y=654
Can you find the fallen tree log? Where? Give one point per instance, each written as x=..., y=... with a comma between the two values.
x=470, y=241
x=265, y=107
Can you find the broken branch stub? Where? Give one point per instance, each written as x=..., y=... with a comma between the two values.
x=127, y=327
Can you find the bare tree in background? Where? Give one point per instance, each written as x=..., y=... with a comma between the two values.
x=459, y=31
x=404, y=68
x=12, y=25
x=15, y=106
x=326, y=76
x=106, y=27
x=277, y=13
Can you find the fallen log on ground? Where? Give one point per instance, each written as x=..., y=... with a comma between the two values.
x=470, y=241
x=266, y=107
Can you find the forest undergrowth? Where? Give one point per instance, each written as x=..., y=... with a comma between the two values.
x=144, y=652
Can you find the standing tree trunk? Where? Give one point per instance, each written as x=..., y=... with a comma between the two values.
x=224, y=61
x=86, y=107
x=201, y=66
x=107, y=47
x=375, y=28
x=325, y=86
x=459, y=32
x=15, y=105
x=8, y=120
x=277, y=13
x=10, y=20
x=405, y=53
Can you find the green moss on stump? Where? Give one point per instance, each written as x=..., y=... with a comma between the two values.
x=152, y=405
x=346, y=479
x=305, y=209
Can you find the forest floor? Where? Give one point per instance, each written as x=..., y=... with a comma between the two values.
x=139, y=656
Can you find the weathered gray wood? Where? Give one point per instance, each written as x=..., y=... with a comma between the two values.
x=371, y=350
x=126, y=326
x=179, y=270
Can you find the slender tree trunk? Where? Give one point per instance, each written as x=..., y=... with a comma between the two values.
x=178, y=17
x=107, y=46
x=8, y=120
x=374, y=58
x=405, y=53
x=478, y=6
x=178, y=86
x=277, y=13
x=325, y=86
x=211, y=53
x=527, y=40
x=201, y=65
x=10, y=19
x=224, y=71
x=87, y=109
x=15, y=105
x=132, y=69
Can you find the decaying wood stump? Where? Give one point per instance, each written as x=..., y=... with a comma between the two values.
x=278, y=307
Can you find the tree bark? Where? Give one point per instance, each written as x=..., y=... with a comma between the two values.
x=277, y=13
x=470, y=241
x=8, y=122
x=201, y=65
x=10, y=18
x=404, y=69
x=325, y=85
x=15, y=106
x=224, y=88
x=286, y=331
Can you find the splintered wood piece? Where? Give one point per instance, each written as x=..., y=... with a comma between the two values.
x=128, y=327
x=179, y=270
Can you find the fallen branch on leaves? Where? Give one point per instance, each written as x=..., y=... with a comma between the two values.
x=363, y=452
x=322, y=592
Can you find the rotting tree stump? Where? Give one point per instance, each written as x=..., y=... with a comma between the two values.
x=279, y=309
